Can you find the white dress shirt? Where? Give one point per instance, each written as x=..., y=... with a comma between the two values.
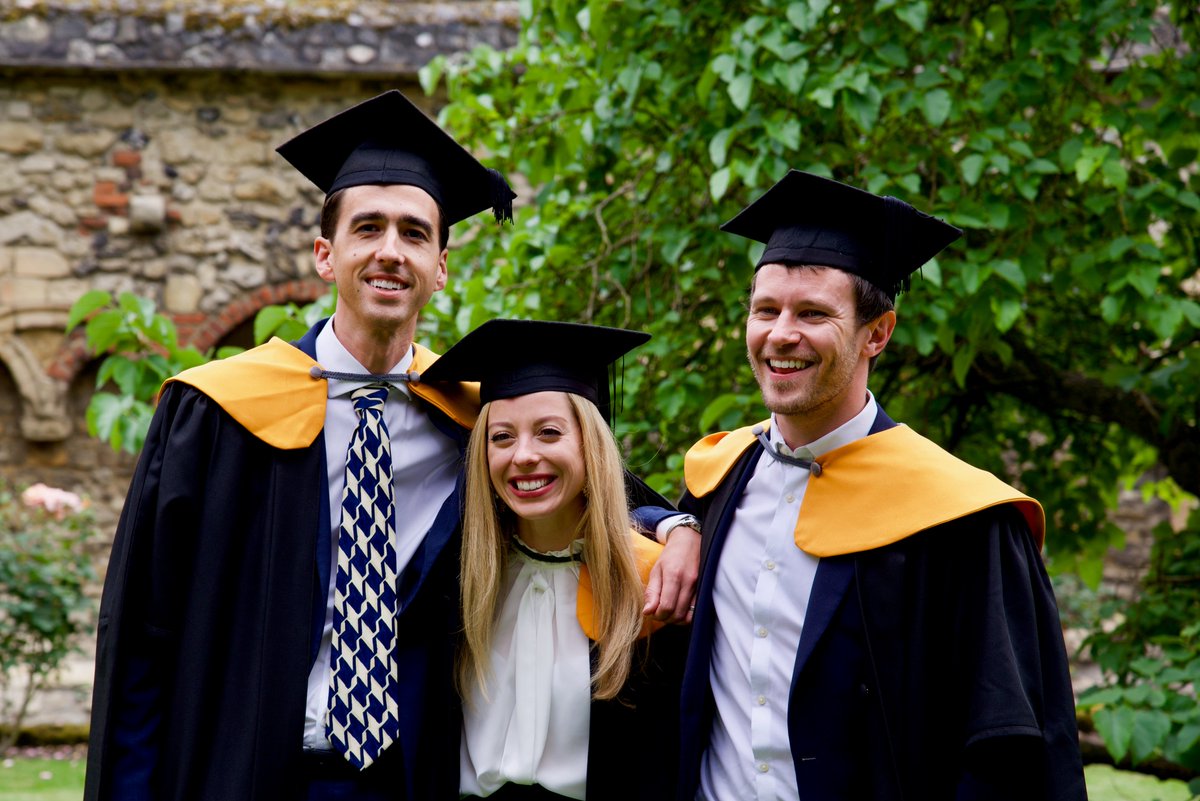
x=760, y=595
x=424, y=469
x=533, y=726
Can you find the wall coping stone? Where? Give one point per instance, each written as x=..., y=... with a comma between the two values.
x=320, y=38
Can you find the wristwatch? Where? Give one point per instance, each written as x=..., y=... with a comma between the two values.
x=683, y=520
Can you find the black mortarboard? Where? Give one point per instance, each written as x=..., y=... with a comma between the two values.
x=388, y=140
x=517, y=357
x=807, y=219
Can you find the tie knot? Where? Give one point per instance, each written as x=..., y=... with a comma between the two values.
x=369, y=398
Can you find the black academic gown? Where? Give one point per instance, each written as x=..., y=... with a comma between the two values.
x=211, y=616
x=633, y=739
x=932, y=669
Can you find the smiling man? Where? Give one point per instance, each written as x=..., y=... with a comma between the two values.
x=873, y=620
x=279, y=609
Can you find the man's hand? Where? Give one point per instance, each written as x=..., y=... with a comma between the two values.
x=671, y=591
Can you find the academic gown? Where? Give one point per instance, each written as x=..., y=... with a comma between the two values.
x=928, y=668
x=211, y=615
x=633, y=739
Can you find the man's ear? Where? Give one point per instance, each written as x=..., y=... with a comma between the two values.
x=443, y=273
x=879, y=332
x=322, y=253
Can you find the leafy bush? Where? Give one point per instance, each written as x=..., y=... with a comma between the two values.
x=44, y=571
x=1049, y=345
x=143, y=350
x=1151, y=659
x=1057, y=344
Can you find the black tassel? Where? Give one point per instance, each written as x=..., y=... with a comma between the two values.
x=896, y=220
x=502, y=196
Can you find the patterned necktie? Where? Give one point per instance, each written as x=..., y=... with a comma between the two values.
x=363, y=708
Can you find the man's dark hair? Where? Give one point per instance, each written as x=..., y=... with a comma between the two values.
x=869, y=300
x=332, y=208
x=869, y=303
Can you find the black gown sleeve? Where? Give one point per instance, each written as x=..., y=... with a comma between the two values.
x=138, y=604
x=1021, y=740
x=969, y=657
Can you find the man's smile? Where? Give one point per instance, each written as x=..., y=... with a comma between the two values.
x=789, y=365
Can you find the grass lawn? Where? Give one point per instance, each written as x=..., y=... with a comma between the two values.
x=28, y=779
x=38, y=779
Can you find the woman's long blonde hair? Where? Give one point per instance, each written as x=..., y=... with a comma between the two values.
x=616, y=584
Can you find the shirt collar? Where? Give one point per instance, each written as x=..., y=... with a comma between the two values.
x=855, y=428
x=333, y=356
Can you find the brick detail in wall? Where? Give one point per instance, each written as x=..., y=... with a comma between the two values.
x=129, y=159
x=71, y=358
x=111, y=198
x=205, y=331
x=108, y=197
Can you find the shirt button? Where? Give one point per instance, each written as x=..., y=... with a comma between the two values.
x=790, y=498
x=763, y=767
x=770, y=564
x=761, y=632
x=762, y=700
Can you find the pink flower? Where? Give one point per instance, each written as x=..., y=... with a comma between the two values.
x=57, y=502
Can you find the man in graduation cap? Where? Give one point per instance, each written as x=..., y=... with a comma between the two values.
x=278, y=613
x=873, y=619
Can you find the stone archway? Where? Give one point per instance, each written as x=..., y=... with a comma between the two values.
x=44, y=415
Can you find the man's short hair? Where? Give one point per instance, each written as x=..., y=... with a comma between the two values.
x=869, y=300
x=332, y=209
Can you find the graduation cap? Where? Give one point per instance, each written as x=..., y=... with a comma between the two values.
x=807, y=219
x=388, y=140
x=517, y=357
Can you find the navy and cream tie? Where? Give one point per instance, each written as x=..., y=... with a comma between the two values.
x=363, y=708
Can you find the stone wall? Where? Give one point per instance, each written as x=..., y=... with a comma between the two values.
x=306, y=37
x=137, y=154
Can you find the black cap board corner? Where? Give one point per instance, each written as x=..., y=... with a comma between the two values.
x=510, y=358
x=388, y=140
x=808, y=219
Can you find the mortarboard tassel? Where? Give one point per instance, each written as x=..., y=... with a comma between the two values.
x=896, y=215
x=502, y=193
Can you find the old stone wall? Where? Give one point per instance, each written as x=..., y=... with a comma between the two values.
x=137, y=154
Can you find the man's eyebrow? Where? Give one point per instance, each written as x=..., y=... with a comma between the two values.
x=374, y=215
x=417, y=221
x=366, y=216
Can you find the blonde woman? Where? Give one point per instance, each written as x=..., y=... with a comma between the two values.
x=568, y=691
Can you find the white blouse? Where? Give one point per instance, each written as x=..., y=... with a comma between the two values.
x=533, y=727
